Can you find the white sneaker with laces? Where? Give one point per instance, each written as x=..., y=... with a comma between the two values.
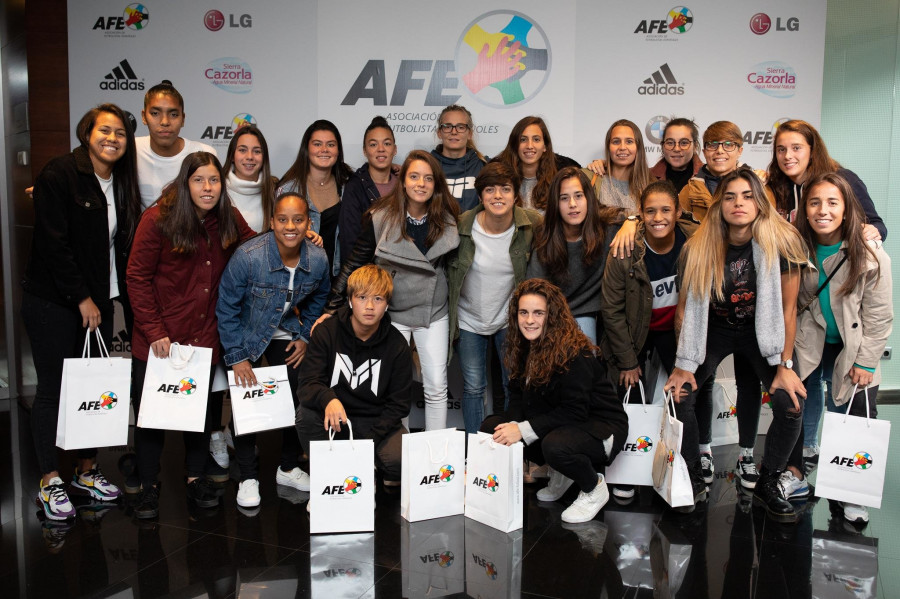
x=296, y=478
x=857, y=514
x=587, y=505
x=219, y=449
x=556, y=487
x=248, y=493
x=792, y=487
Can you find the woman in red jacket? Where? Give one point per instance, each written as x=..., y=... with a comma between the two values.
x=180, y=251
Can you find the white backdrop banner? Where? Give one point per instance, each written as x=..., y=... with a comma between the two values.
x=282, y=64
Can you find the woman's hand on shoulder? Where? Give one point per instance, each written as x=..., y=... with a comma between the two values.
x=597, y=167
x=623, y=243
x=315, y=238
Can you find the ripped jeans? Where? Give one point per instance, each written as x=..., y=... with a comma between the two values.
x=787, y=422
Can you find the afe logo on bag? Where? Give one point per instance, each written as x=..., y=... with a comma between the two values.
x=490, y=570
x=107, y=401
x=728, y=414
x=341, y=572
x=269, y=387
x=352, y=485
x=491, y=483
x=643, y=445
x=185, y=386
x=444, y=475
x=670, y=457
x=444, y=559
x=862, y=460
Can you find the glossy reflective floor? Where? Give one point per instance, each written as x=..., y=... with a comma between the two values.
x=726, y=549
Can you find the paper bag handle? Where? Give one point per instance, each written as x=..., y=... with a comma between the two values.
x=176, y=355
x=331, y=432
x=431, y=453
x=670, y=403
x=490, y=438
x=643, y=399
x=850, y=403
x=86, y=351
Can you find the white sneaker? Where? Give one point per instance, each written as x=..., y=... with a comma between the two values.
x=218, y=449
x=296, y=478
x=587, y=505
x=556, y=487
x=248, y=493
x=857, y=514
x=792, y=487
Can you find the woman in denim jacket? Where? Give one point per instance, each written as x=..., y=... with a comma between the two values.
x=272, y=291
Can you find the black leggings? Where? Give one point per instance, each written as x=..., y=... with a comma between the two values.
x=245, y=445
x=55, y=333
x=149, y=442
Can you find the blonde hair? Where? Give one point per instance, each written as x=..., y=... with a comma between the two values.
x=703, y=261
x=370, y=280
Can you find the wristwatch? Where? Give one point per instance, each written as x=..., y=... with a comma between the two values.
x=631, y=218
x=787, y=364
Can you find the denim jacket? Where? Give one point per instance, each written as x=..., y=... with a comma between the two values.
x=315, y=219
x=253, y=292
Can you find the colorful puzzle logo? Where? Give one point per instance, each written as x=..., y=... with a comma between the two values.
x=352, y=485
x=445, y=560
x=241, y=120
x=136, y=16
x=679, y=19
x=270, y=387
x=493, y=483
x=108, y=400
x=862, y=460
x=187, y=386
x=446, y=474
x=644, y=444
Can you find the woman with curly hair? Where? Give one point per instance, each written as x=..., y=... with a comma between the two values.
x=561, y=403
x=570, y=246
x=529, y=152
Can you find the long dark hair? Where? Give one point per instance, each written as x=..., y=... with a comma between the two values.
x=546, y=169
x=550, y=238
x=535, y=362
x=267, y=192
x=299, y=171
x=442, y=207
x=851, y=228
x=178, y=220
x=820, y=162
x=125, y=180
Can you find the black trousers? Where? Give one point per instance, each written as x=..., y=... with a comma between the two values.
x=570, y=450
x=149, y=442
x=245, y=445
x=55, y=333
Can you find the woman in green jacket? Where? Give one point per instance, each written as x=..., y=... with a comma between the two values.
x=495, y=241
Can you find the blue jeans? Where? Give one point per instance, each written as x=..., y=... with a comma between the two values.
x=816, y=393
x=473, y=351
x=588, y=326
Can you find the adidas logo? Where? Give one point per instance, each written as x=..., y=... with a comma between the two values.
x=661, y=83
x=122, y=77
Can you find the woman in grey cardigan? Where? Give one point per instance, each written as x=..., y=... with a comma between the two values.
x=409, y=233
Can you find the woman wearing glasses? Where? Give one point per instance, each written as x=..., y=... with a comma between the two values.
x=459, y=158
x=680, y=151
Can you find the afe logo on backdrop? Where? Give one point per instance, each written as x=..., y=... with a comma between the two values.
x=223, y=133
x=134, y=18
x=678, y=20
x=502, y=59
x=762, y=139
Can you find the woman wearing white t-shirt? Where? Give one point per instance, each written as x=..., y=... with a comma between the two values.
x=495, y=241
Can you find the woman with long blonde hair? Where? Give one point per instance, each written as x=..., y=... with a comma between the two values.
x=740, y=279
x=561, y=402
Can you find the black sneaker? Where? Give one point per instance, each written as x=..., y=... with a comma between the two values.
x=746, y=471
x=767, y=494
x=707, y=469
x=202, y=494
x=148, y=504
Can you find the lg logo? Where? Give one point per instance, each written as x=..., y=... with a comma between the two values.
x=215, y=20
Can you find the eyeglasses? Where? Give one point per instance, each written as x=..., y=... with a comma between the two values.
x=458, y=127
x=684, y=144
x=728, y=146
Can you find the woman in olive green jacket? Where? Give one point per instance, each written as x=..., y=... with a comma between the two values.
x=495, y=240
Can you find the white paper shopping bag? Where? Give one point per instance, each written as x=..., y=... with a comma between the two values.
x=853, y=457
x=94, y=399
x=494, y=485
x=634, y=464
x=670, y=473
x=724, y=416
x=176, y=389
x=432, y=481
x=433, y=557
x=342, y=485
x=267, y=405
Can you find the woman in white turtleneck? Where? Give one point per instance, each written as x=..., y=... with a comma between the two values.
x=248, y=178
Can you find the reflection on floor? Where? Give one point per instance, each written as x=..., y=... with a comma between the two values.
x=726, y=549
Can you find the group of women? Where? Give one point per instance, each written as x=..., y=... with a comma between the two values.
x=525, y=255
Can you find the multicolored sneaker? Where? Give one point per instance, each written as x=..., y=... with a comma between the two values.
x=55, y=501
x=96, y=484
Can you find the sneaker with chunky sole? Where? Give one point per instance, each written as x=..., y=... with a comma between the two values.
x=219, y=449
x=248, y=493
x=556, y=487
x=296, y=479
x=201, y=494
x=793, y=487
x=55, y=501
x=707, y=468
x=855, y=514
x=96, y=484
x=767, y=495
x=148, y=504
x=746, y=471
x=587, y=505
